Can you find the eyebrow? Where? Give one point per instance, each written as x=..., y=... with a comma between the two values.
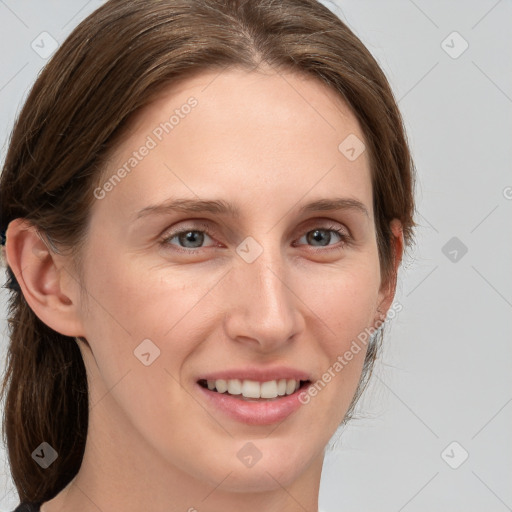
x=220, y=207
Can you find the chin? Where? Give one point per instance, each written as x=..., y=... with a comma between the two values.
x=279, y=464
x=262, y=479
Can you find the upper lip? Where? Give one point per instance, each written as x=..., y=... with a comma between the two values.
x=258, y=374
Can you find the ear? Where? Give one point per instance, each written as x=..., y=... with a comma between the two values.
x=388, y=289
x=47, y=285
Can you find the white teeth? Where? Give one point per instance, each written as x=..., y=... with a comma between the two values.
x=269, y=389
x=254, y=389
x=251, y=389
x=290, y=386
x=281, y=387
x=234, y=387
x=221, y=385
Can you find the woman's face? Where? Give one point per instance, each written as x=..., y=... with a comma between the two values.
x=179, y=296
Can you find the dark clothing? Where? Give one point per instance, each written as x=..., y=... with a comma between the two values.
x=28, y=507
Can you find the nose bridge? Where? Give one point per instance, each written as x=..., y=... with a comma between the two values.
x=264, y=307
x=267, y=275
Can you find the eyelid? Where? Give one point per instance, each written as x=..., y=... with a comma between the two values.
x=193, y=226
x=207, y=225
x=324, y=223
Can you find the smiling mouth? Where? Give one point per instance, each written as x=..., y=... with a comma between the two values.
x=250, y=390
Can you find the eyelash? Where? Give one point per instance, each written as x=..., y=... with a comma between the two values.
x=205, y=228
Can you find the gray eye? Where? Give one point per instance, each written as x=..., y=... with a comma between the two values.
x=190, y=239
x=320, y=237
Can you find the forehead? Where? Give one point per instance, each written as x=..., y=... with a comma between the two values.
x=276, y=135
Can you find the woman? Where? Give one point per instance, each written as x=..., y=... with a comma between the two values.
x=205, y=205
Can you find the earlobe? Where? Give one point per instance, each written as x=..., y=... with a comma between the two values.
x=43, y=278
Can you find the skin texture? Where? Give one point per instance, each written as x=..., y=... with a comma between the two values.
x=268, y=143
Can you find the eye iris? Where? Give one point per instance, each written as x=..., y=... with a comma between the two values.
x=318, y=234
x=195, y=237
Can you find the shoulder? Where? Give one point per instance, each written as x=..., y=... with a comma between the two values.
x=28, y=507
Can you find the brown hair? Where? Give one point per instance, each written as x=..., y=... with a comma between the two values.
x=113, y=64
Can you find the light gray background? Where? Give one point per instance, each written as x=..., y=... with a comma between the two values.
x=445, y=374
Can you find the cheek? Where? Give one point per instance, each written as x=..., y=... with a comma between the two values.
x=344, y=300
x=130, y=302
x=344, y=304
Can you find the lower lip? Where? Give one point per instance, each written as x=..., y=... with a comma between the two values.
x=254, y=413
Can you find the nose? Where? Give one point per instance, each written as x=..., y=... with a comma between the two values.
x=264, y=309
